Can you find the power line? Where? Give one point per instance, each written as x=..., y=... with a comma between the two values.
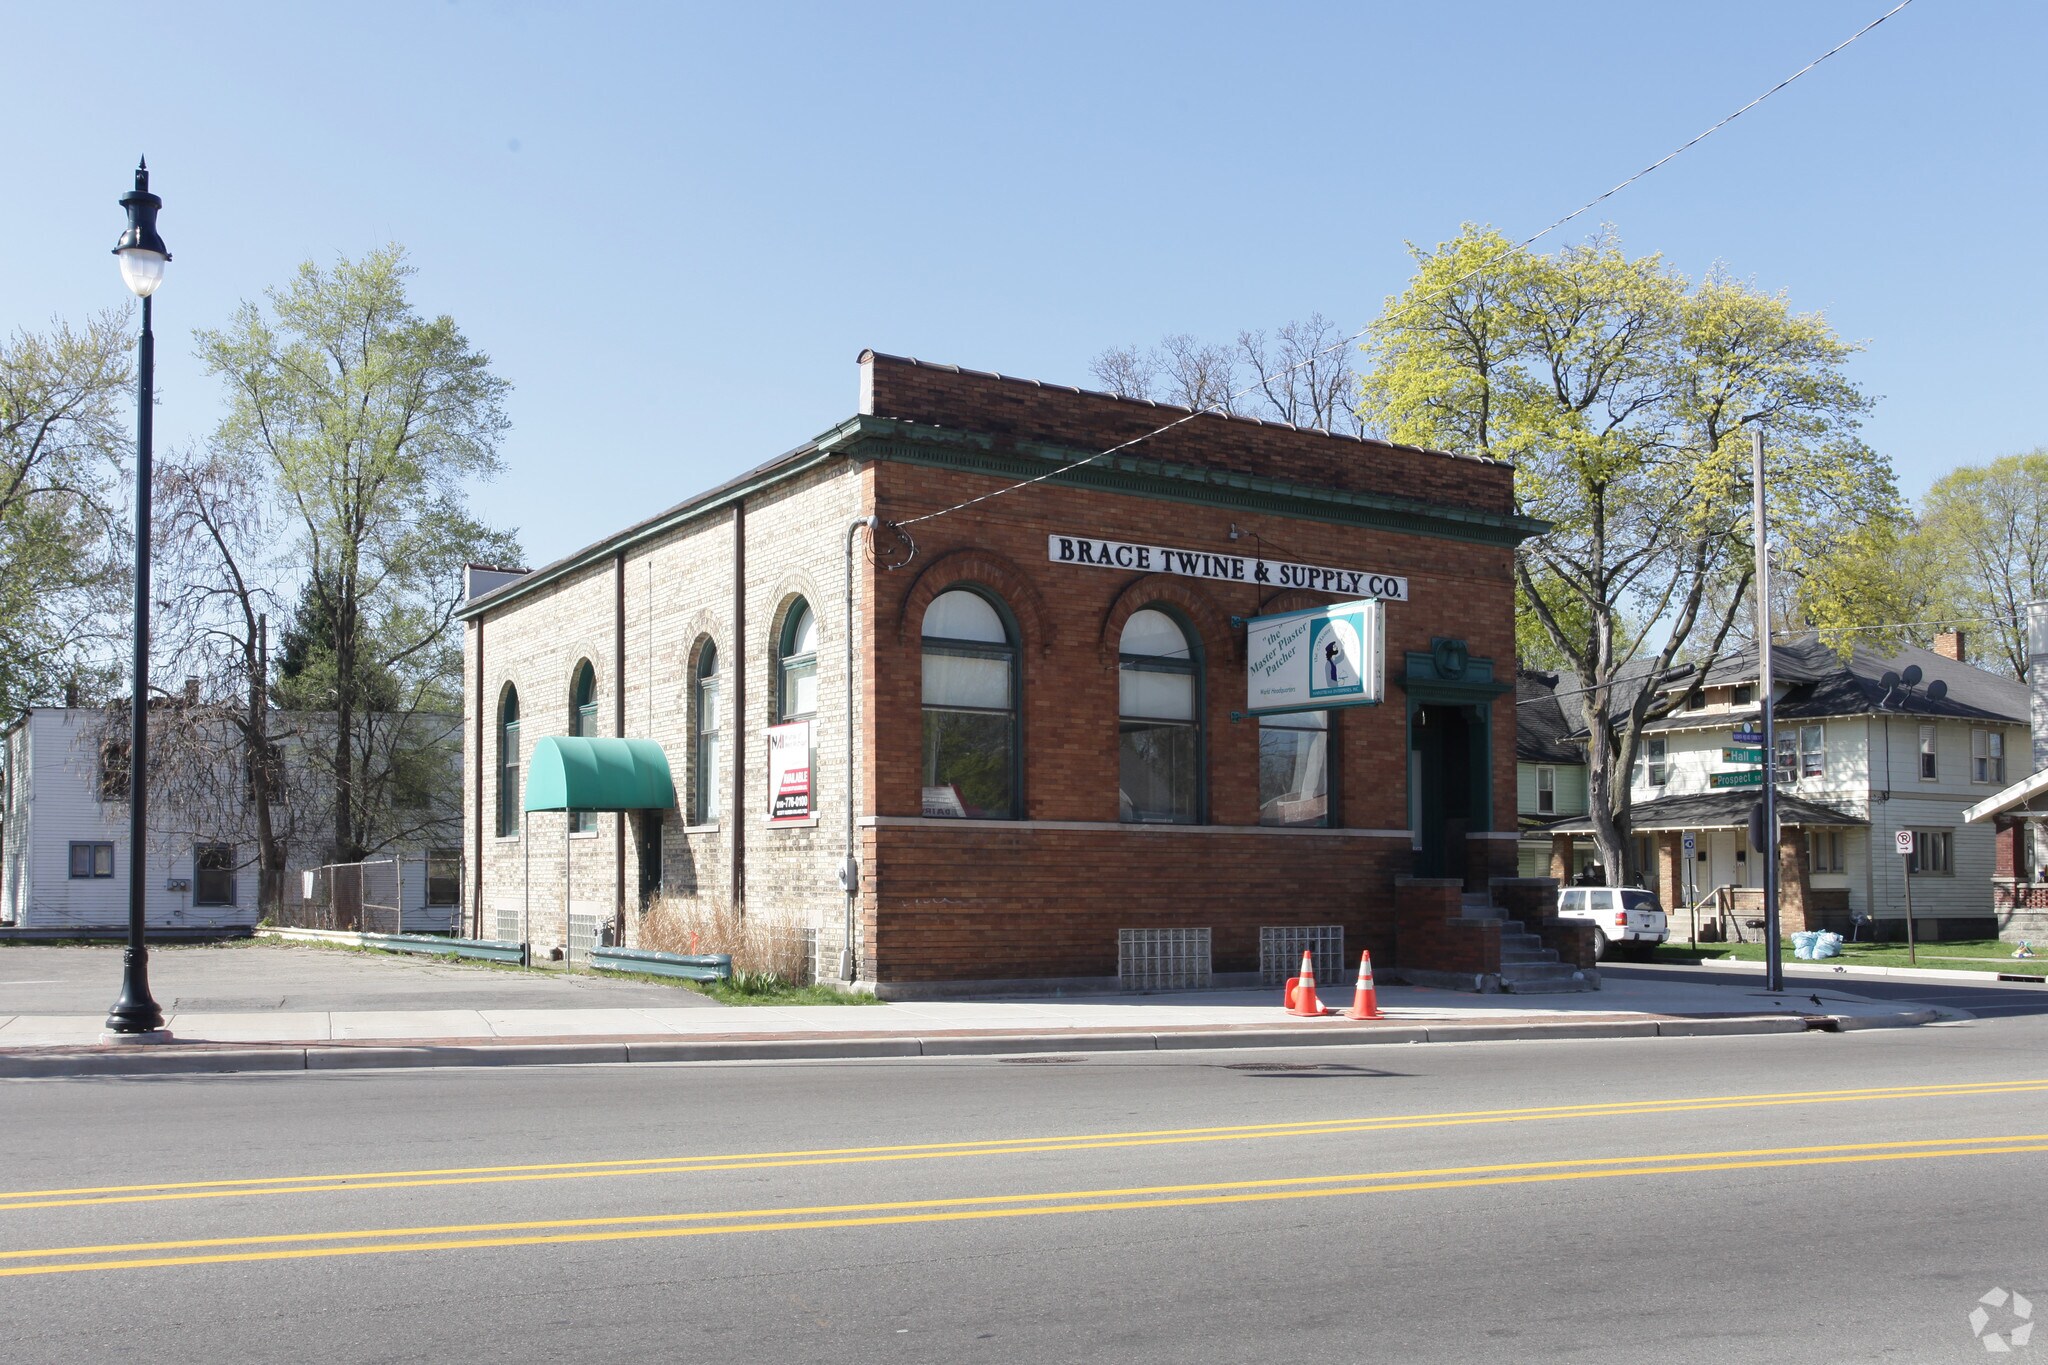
x=1522, y=245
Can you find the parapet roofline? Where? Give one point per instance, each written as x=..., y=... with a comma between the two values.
x=1176, y=409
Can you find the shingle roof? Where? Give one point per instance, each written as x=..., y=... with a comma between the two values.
x=1542, y=730
x=1820, y=683
x=1713, y=810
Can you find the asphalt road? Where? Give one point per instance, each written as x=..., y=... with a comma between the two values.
x=1790, y=1198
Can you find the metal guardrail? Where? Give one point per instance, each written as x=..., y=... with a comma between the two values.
x=687, y=966
x=488, y=949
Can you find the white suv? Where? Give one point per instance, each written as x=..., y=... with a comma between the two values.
x=1629, y=921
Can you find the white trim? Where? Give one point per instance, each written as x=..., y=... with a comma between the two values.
x=2026, y=789
x=1149, y=827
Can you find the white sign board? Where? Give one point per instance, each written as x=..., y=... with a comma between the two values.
x=1322, y=657
x=789, y=770
x=1229, y=568
x=1903, y=838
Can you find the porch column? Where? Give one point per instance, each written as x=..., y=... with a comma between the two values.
x=1793, y=881
x=1561, y=858
x=1670, y=871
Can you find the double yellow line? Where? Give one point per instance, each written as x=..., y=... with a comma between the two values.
x=558, y=1232
x=250, y=1187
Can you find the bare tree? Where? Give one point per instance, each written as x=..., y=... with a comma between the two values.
x=1198, y=374
x=219, y=762
x=1304, y=374
x=1125, y=371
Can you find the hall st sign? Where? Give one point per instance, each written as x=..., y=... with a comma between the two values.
x=1227, y=568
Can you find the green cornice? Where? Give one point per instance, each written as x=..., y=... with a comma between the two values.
x=881, y=438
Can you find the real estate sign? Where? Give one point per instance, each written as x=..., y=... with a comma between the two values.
x=1322, y=657
x=789, y=770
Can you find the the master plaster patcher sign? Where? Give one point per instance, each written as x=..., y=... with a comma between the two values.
x=1322, y=657
x=1227, y=568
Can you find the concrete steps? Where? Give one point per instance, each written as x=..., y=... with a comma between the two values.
x=1526, y=966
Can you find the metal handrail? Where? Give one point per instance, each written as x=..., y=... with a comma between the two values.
x=1723, y=897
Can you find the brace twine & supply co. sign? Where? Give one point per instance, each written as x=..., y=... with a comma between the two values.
x=1275, y=573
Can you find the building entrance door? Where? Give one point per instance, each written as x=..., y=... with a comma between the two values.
x=1441, y=739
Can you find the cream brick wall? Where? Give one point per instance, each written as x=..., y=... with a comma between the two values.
x=678, y=595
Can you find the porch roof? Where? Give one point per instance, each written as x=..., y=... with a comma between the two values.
x=1715, y=810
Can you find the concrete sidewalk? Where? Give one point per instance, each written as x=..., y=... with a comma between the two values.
x=51, y=1045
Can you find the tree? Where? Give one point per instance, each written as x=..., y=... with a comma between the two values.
x=1623, y=393
x=63, y=574
x=217, y=757
x=1984, y=531
x=1301, y=373
x=368, y=418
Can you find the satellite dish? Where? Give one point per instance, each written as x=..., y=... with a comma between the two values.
x=1889, y=682
x=1936, y=690
x=1912, y=675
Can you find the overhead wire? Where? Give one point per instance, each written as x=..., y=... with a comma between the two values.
x=1220, y=405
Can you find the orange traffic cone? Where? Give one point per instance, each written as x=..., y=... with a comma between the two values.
x=1365, y=1001
x=1301, y=990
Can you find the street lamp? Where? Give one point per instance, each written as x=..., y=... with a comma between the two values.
x=142, y=254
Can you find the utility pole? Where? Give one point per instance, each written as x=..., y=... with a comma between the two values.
x=1774, y=967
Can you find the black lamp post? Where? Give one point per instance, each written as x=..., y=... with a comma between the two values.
x=142, y=255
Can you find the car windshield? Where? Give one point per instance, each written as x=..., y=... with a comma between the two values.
x=1638, y=900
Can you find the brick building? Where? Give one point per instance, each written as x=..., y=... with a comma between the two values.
x=1018, y=714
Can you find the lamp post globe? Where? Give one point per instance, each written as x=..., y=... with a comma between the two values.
x=142, y=255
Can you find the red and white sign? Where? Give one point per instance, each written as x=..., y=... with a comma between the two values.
x=789, y=770
x=1903, y=838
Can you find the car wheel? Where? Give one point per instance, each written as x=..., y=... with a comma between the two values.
x=1611, y=949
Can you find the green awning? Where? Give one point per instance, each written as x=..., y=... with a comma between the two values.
x=598, y=774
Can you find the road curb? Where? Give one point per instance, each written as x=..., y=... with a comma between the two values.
x=203, y=1059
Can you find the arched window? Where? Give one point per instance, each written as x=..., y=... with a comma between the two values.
x=797, y=664
x=970, y=709
x=508, y=764
x=705, y=778
x=1159, y=681
x=583, y=723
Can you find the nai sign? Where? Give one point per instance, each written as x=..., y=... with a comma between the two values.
x=1273, y=573
x=1309, y=660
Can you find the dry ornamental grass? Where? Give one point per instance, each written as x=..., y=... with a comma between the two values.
x=760, y=947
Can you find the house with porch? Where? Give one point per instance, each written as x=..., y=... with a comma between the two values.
x=1550, y=772
x=1867, y=746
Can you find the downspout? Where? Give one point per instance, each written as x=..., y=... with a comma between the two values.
x=736, y=815
x=619, y=730
x=849, y=868
x=476, y=895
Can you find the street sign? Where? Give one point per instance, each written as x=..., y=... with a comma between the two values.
x=1745, y=735
x=1752, y=777
x=1691, y=843
x=1755, y=756
x=1902, y=839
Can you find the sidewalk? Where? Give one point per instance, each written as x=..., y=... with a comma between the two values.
x=57, y=1045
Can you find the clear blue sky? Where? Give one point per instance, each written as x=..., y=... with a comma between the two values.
x=674, y=227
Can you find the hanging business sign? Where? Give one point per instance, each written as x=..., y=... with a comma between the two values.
x=1228, y=568
x=1309, y=660
x=789, y=770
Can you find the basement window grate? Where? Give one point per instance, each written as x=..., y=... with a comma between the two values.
x=1162, y=959
x=1281, y=947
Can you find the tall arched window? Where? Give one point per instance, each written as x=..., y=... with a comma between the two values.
x=970, y=709
x=583, y=723
x=1159, y=682
x=797, y=664
x=705, y=777
x=508, y=763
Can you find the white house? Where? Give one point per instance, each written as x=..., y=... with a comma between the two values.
x=64, y=853
x=1867, y=747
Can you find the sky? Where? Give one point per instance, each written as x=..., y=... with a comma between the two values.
x=674, y=227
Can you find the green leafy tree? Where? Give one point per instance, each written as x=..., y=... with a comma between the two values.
x=1984, y=533
x=1624, y=394
x=370, y=419
x=64, y=394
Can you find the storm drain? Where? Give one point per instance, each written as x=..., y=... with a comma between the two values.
x=1281, y=947
x=1162, y=959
